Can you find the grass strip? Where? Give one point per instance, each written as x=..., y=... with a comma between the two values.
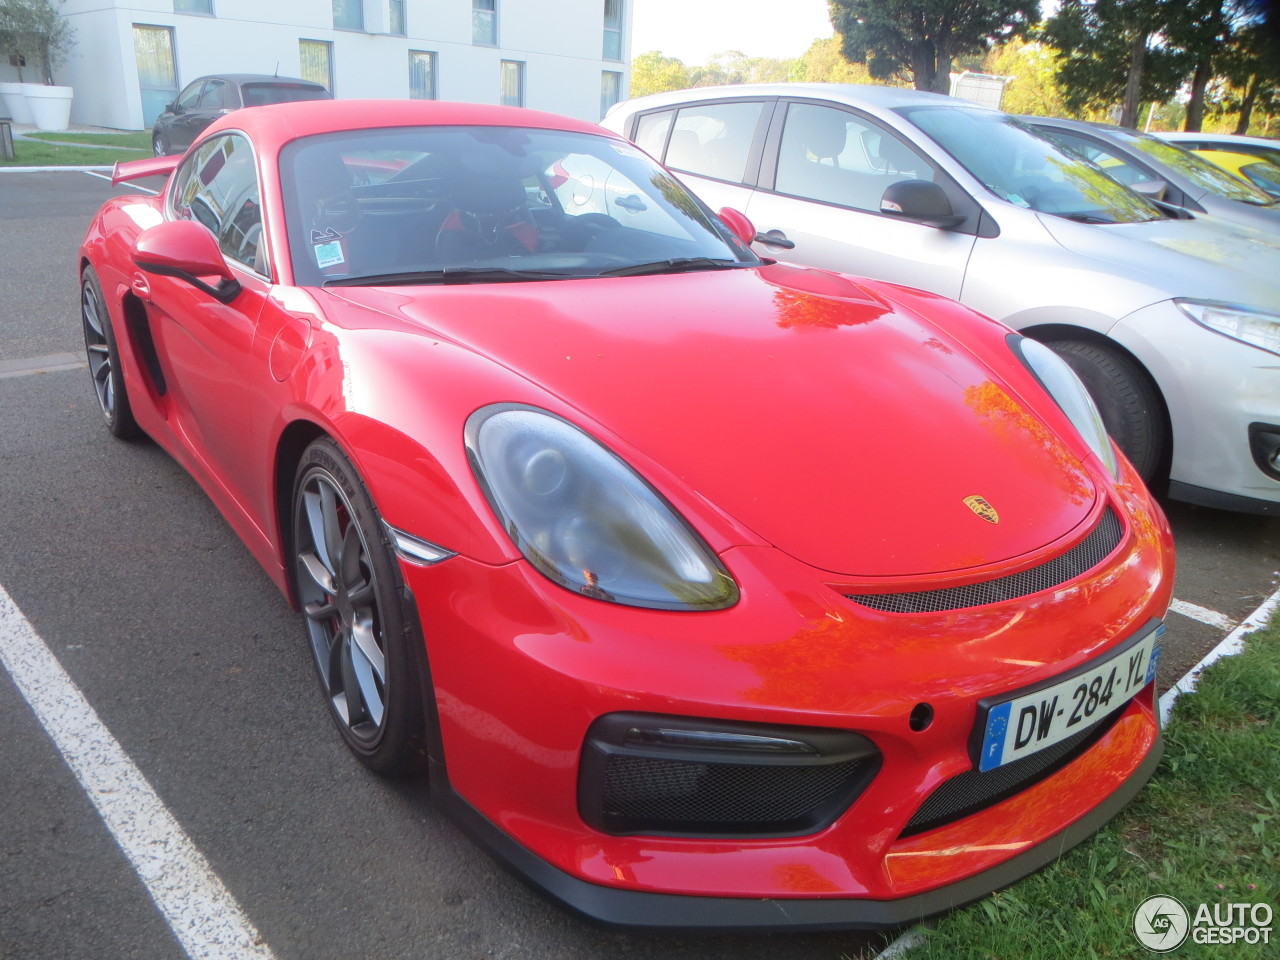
x=136, y=140
x=36, y=153
x=1206, y=830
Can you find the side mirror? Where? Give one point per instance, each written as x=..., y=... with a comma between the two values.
x=186, y=250
x=738, y=224
x=921, y=201
x=1151, y=189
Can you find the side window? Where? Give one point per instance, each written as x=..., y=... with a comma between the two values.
x=714, y=139
x=218, y=187
x=214, y=95
x=1114, y=165
x=191, y=96
x=651, y=132
x=829, y=155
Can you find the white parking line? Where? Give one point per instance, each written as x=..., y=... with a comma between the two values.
x=200, y=911
x=1232, y=645
x=1202, y=614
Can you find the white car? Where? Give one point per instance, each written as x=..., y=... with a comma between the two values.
x=1172, y=321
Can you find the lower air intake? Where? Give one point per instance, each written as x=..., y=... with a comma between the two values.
x=681, y=776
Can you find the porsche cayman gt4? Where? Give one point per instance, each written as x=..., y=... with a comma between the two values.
x=718, y=593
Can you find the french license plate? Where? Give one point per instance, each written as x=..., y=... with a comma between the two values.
x=1023, y=725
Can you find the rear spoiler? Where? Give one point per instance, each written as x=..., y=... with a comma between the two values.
x=137, y=169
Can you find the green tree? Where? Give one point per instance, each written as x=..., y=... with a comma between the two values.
x=651, y=72
x=1033, y=68
x=823, y=62
x=921, y=38
x=1114, y=51
x=34, y=31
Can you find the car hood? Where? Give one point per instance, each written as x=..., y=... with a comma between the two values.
x=1204, y=258
x=841, y=429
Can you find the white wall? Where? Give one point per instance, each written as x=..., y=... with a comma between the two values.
x=560, y=43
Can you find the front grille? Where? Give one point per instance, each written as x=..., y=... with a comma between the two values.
x=973, y=790
x=632, y=782
x=1085, y=555
x=718, y=797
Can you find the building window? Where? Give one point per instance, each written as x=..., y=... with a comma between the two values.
x=512, y=83
x=484, y=22
x=610, y=90
x=397, y=18
x=348, y=14
x=613, y=29
x=193, y=6
x=422, y=75
x=316, y=62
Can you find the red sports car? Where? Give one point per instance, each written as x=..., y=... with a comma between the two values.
x=718, y=593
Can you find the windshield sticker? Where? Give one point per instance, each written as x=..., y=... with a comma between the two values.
x=329, y=254
x=327, y=235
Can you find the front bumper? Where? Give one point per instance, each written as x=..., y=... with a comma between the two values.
x=522, y=670
x=1215, y=388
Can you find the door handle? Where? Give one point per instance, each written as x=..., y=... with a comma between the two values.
x=775, y=238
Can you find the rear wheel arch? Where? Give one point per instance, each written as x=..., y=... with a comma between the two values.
x=1130, y=400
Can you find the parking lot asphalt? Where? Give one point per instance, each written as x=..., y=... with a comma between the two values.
x=193, y=661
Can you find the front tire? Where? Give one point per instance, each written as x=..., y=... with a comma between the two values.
x=1127, y=400
x=104, y=359
x=361, y=636
x=158, y=144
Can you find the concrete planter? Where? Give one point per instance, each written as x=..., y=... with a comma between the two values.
x=14, y=97
x=50, y=106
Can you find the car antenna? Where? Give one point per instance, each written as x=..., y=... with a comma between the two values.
x=277, y=73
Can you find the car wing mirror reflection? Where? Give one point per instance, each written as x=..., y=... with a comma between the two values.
x=1151, y=189
x=187, y=251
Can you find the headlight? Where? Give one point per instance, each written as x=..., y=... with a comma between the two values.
x=1254, y=327
x=1070, y=394
x=584, y=518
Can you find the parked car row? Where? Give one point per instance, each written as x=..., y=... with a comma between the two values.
x=719, y=592
x=1165, y=300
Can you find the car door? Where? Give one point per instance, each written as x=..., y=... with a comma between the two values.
x=206, y=347
x=824, y=171
x=177, y=126
x=713, y=147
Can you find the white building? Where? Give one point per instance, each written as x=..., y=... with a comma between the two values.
x=131, y=57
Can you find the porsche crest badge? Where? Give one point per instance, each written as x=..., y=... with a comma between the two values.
x=982, y=508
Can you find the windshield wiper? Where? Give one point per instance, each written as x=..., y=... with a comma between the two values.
x=674, y=265
x=449, y=275
x=1086, y=218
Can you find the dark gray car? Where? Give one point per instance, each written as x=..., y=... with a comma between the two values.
x=1164, y=171
x=205, y=99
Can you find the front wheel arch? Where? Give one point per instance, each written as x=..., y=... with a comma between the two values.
x=1132, y=405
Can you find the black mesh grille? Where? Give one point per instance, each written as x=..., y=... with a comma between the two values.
x=688, y=776
x=1085, y=555
x=716, y=796
x=973, y=790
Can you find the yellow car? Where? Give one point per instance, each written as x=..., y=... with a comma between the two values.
x=1261, y=172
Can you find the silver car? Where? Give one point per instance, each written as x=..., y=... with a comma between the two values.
x=1165, y=171
x=1172, y=321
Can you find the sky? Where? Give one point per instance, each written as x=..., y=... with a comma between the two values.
x=694, y=30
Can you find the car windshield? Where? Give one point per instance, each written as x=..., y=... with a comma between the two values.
x=1196, y=169
x=264, y=94
x=1017, y=164
x=486, y=204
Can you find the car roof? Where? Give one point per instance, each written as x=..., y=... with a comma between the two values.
x=256, y=78
x=1223, y=138
x=275, y=125
x=853, y=94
